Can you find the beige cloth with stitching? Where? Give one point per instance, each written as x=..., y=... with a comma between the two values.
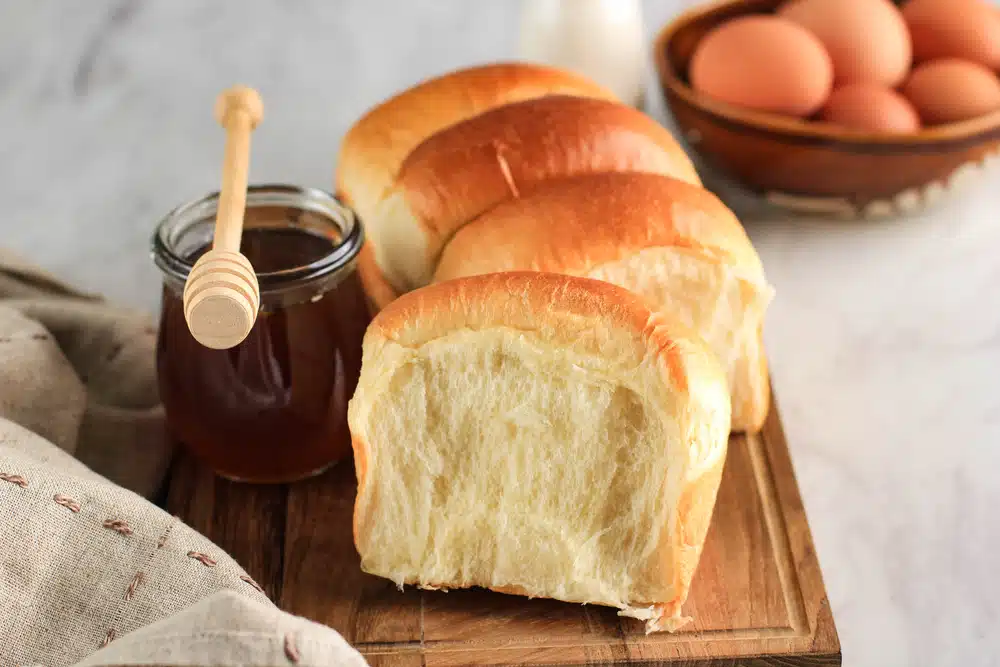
x=92, y=573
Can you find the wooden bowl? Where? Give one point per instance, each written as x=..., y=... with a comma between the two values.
x=810, y=166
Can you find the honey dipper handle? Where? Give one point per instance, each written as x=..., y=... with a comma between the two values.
x=238, y=110
x=222, y=295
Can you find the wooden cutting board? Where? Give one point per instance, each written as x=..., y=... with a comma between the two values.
x=758, y=596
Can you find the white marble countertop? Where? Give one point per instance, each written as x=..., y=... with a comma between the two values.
x=884, y=337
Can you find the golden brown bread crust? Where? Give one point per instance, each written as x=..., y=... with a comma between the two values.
x=376, y=145
x=572, y=224
x=378, y=290
x=567, y=305
x=458, y=173
x=694, y=516
x=462, y=171
x=757, y=412
x=380, y=140
x=360, y=448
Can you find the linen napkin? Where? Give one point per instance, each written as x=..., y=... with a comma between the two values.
x=91, y=572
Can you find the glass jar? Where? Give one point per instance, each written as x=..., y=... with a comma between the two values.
x=274, y=408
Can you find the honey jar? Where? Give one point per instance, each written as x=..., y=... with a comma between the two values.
x=273, y=408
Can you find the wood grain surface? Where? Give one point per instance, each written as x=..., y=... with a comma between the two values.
x=758, y=596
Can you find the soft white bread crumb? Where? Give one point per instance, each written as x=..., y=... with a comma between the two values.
x=537, y=434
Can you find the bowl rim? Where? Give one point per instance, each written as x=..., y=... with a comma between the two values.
x=795, y=129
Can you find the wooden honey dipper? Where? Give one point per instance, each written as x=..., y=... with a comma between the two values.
x=221, y=296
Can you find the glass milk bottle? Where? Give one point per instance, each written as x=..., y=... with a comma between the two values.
x=601, y=39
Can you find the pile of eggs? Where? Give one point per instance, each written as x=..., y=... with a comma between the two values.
x=861, y=64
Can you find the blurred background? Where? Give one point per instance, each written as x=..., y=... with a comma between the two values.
x=884, y=337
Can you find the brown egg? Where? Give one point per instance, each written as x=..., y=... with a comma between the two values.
x=870, y=107
x=867, y=39
x=968, y=29
x=763, y=63
x=950, y=90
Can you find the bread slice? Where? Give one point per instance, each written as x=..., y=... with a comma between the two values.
x=460, y=172
x=673, y=243
x=537, y=434
x=376, y=145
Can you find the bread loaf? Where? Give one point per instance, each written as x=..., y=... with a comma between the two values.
x=537, y=434
x=376, y=145
x=671, y=242
x=460, y=172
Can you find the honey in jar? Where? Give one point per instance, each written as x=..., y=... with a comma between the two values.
x=273, y=408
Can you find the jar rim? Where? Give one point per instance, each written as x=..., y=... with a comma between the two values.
x=314, y=200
